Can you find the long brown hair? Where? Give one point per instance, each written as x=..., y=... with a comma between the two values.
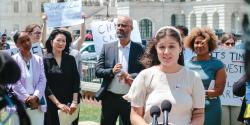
x=150, y=58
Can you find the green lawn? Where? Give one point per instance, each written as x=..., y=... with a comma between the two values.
x=90, y=112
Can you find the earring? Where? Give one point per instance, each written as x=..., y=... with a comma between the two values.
x=180, y=54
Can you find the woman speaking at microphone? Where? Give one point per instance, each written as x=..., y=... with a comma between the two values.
x=166, y=79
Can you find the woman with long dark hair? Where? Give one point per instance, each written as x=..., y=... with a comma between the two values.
x=63, y=81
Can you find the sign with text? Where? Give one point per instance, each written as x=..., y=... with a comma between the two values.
x=63, y=14
x=105, y=31
x=234, y=65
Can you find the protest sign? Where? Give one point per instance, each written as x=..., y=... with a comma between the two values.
x=63, y=14
x=234, y=65
x=105, y=31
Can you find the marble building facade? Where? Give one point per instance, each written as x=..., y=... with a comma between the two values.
x=150, y=14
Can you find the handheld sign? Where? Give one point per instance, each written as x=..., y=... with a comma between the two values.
x=64, y=14
x=105, y=31
x=234, y=65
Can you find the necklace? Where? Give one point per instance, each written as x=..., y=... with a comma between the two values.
x=28, y=64
x=27, y=61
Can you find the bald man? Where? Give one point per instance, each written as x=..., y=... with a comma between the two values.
x=118, y=65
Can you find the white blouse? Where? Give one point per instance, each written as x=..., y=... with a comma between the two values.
x=184, y=89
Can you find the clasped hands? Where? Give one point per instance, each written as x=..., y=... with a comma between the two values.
x=32, y=102
x=123, y=75
x=67, y=109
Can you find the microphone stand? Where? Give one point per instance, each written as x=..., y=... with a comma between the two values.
x=155, y=122
x=165, y=118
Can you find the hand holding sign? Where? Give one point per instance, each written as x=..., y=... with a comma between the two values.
x=44, y=17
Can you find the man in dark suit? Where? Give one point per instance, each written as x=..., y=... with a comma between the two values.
x=118, y=65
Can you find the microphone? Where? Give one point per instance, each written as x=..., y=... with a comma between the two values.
x=165, y=107
x=155, y=113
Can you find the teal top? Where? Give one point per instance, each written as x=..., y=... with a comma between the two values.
x=206, y=69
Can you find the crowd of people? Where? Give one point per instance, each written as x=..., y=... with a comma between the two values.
x=175, y=66
x=50, y=79
x=193, y=84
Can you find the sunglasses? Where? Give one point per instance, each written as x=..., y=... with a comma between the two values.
x=230, y=44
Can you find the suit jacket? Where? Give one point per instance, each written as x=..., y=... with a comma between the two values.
x=39, y=79
x=109, y=57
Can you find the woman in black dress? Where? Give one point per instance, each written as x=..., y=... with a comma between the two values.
x=63, y=81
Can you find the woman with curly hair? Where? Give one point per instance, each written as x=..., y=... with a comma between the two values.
x=203, y=42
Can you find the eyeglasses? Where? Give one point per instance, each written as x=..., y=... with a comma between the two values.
x=37, y=33
x=230, y=44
